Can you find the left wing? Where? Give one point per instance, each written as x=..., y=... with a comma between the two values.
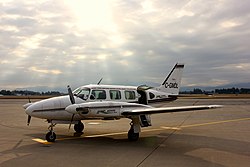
x=168, y=109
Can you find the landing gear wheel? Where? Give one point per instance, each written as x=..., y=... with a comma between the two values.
x=79, y=127
x=51, y=136
x=132, y=136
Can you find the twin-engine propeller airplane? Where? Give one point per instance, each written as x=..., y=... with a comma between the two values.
x=110, y=102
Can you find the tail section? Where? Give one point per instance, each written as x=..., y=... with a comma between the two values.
x=172, y=83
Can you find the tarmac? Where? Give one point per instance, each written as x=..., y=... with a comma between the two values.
x=219, y=137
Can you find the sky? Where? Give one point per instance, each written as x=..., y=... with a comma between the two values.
x=59, y=42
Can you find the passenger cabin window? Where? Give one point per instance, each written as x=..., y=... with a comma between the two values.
x=129, y=95
x=98, y=94
x=115, y=94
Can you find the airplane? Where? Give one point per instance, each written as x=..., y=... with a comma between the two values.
x=109, y=102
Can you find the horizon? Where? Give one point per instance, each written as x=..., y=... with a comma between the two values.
x=41, y=89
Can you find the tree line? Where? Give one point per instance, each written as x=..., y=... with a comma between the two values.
x=194, y=91
x=219, y=91
x=27, y=92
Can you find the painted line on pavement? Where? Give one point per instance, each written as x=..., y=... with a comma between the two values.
x=147, y=130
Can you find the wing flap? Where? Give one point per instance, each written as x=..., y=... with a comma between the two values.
x=169, y=109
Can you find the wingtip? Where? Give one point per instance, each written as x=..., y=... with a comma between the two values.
x=215, y=106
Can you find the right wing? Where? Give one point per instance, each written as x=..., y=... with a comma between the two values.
x=143, y=111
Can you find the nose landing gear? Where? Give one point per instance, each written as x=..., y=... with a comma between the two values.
x=51, y=136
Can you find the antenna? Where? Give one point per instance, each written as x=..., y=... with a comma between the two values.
x=99, y=81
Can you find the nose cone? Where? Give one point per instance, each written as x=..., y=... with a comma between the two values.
x=27, y=105
x=29, y=109
x=32, y=107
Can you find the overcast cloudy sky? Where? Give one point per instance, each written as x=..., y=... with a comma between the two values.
x=59, y=42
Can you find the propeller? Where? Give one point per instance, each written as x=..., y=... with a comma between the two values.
x=72, y=100
x=29, y=117
x=71, y=96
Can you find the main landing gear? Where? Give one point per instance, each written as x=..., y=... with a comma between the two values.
x=79, y=127
x=133, y=133
x=51, y=136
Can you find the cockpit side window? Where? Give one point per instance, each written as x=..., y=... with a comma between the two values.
x=99, y=94
x=115, y=94
x=82, y=93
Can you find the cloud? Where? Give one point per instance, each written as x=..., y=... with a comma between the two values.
x=57, y=43
x=44, y=71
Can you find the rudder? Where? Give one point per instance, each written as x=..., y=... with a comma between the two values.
x=172, y=82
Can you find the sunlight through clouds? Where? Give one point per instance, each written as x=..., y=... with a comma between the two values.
x=33, y=42
x=35, y=69
x=229, y=24
x=240, y=66
x=50, y=42
x=92, y=14
x=183, y=13
x=148, y=7
x=4, y=61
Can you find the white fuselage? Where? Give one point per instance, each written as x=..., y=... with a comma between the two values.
x=54, y=108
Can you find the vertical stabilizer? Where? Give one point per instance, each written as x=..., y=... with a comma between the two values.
x=172, y=83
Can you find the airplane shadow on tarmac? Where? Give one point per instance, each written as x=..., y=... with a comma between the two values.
x=111, y=151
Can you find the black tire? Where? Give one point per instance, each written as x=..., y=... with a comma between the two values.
x=79, y=127
x=132, y=136
x=51, y=136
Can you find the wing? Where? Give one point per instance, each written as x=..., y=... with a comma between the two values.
x=168, y=109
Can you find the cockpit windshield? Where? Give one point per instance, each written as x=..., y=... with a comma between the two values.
x=82, y=93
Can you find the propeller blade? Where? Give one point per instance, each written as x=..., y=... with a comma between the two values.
x=72, y=100
x=29, y=119
x=71, y=121
x=71, y=96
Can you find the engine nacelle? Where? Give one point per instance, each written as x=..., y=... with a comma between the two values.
x=145, y=120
